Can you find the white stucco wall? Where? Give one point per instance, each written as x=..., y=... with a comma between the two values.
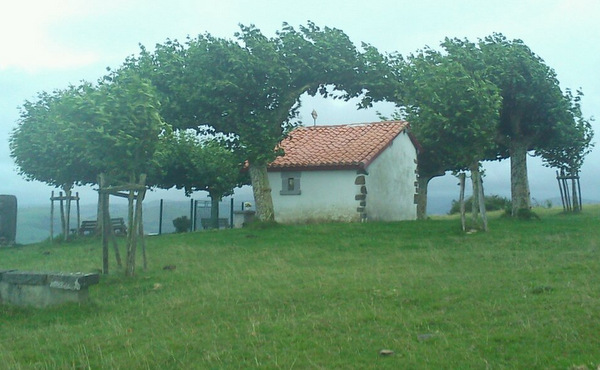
x=325, y=195
x=391, y=182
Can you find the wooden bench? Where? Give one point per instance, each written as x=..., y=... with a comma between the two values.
x=89, y=227
x=207, y=223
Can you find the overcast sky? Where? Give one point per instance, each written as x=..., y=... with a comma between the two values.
x=49, y=44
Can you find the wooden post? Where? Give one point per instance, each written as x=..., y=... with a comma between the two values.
x=160, y=217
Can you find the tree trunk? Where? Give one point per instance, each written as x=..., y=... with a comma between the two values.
x=52, y=217
x=475, y=181
x=141, y=196
x=134, y=224
x=423, y=183
x=576, y=205
x=461, y=200
x=67, y=212
x=103, y=222
x=519, y=183
x=481, y=202
x=131, y=234
x=62, y=213
x=214, y=212
x=262, y=192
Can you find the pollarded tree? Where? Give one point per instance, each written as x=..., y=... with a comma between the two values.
x=46, y=147
x=196, y=162
x=453, y=113
x=122, y=139
x=249, y=87
x=572, y=144
x=534, y=114
x=573, y=141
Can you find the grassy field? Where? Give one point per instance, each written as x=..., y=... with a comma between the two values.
x=525, y=295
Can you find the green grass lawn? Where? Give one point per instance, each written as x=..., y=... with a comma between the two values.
x=524, y=295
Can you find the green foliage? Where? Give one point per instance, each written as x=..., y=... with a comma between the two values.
x=532, y=113
x=329, y=296
x=453, y=112
x=70, y=136
x=195, y=162
x=182, y=224
x=492, y=203
x=47, y=144
x=123, y=140
x=573, y=142
x=248, y=87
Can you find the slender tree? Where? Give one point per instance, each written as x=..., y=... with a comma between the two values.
x=46, y=147
x=456, y=136
x=196, y=162
x=573, y=143
x=453, y=112
x=535, y=115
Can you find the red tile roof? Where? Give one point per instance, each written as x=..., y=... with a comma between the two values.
x=336, y=147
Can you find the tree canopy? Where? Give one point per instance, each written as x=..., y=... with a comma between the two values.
x=455, y=136
x=46, y=145
x=532, y=112
x=535, y=114
x=249, y=87
x=195, y=162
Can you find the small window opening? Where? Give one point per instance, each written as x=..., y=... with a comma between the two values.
x=290, y=183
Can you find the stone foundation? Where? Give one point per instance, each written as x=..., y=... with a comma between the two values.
x=43, y=289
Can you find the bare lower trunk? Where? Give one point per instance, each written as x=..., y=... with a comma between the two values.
x=423, y=183
x=103, y=222
x=519, y=183
x=135, y=220
x=461, y=200
x=576, y=204
x=67, y=212
x=481, y=199
x=214, y=212
x=262, y=192
x=62, y=216
x=475, y=177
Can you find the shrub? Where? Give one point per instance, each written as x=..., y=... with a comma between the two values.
x=492, y=203
x=182, y=224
